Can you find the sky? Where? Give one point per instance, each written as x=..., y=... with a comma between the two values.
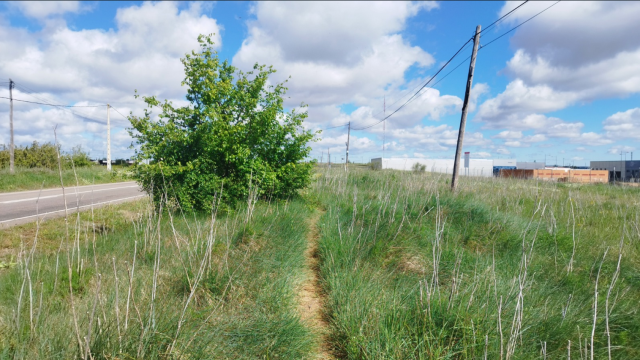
x=564, y=87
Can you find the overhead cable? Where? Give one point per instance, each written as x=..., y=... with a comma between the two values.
x=54, y=105
x=502, y=17
x=517, y=26
x=417, y=92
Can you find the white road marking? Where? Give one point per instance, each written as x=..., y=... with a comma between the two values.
x=67, y=194
x=72, y=208
x=68, y=188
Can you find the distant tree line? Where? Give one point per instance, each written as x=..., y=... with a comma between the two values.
x=44, y=155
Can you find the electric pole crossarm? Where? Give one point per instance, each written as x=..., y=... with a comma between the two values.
x=463, y=118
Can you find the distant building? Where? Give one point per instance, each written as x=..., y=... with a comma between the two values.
x=530, y=165
x=619, y=170
x=558, y=174
x=477, y=167
x=503, y=164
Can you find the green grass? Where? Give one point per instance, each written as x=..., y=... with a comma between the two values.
x=408, y=270
x=34, y=179
x=222, y=290
x=386, y=234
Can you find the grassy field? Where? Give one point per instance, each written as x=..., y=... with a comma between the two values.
x=404, y=269
x=34, y=179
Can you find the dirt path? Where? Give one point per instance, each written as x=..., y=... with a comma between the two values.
x=310, y=294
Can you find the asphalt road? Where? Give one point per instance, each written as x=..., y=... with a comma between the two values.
x=24, y=206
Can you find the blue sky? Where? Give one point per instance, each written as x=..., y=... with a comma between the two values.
x=557, y=86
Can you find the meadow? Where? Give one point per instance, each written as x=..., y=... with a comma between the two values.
x=399, y=266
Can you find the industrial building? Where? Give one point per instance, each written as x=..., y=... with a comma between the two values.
x=503, y=164
x=558, y=174
x=477, y=167
x=530, y=165
x=628, y=171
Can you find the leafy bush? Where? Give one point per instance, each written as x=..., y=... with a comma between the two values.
x=233, y=138
x=417, y=167
x=44, y=155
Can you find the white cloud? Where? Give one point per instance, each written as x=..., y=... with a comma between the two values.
x=98, y=67
x=561, y=59
x=511, y=108
x=44, y=9
x=503, y=151
x=330, y=51
x=508, y=135
x=321, y=32
x=616, y=150
x=515, y=144
x=480, y=155
x=624, y=124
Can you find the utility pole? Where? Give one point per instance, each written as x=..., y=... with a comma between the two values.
x=329, y=155
x=12, y=145
x=346, y=164
x=463, y=119
x=108, y=140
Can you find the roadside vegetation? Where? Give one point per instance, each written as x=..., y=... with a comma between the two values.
x=36, y=178
x=502, y=269
x=145, y=284
x=406, y=269
x=36, y=166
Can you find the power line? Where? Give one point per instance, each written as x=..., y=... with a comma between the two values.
x=116, y=110
x=417, y=92
x=522, y=23
x=503, y=16
x=464, y=46
x=54, y=105
x=409, y=91
x=62, y=107
x=502, y=35
x=335, y=127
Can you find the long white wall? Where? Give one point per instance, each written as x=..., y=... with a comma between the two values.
x=477, y=167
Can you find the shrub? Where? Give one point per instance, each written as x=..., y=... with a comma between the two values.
x=44, y=155
x=417, y=167
x=233, y=137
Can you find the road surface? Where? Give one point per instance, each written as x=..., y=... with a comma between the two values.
x=24, y=206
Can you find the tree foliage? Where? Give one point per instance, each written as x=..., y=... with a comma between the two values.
x=44, y=155
x=233, y=137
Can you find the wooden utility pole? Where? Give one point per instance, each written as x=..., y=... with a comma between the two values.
x=329, y=155
x=12, y=145
x=346, y=164
x=463, y=119
x=108, y=140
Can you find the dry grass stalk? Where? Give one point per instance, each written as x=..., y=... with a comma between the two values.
x=613, y=283
x=595, y=303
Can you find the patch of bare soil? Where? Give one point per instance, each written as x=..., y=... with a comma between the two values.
x=310, y=295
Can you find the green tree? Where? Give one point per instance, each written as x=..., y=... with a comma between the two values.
x=233, y=138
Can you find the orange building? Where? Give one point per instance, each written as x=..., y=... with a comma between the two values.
x=562, y=175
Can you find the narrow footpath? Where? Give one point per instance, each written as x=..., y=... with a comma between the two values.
x=310, y=294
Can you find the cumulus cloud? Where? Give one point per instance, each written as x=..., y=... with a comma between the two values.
x=44, y=9
x=66, y=66
x=616, y=150
x=624, y=124
x=562, y=60
x=301, y=40
x=511, y=108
